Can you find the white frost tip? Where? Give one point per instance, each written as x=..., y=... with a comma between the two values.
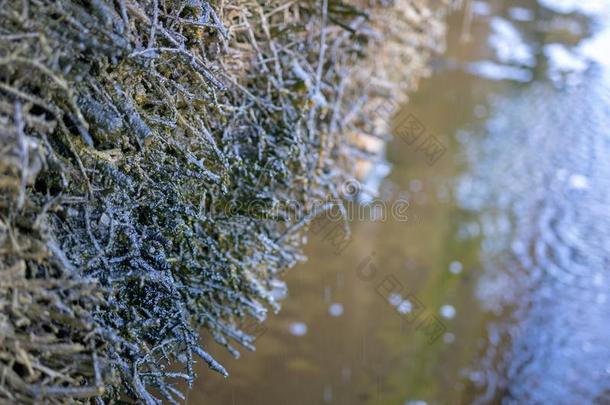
x=447, y=311
x=395, y=299
x=405, y=307
x=521, y=14
x=481, y=8
x=298, y=329
x=579, y=182
x=455, y=267
x=335, y=309
x=415, y=185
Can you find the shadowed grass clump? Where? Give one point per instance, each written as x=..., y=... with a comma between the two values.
x=150, y=155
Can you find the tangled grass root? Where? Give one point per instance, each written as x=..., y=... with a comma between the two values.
x=149, y=154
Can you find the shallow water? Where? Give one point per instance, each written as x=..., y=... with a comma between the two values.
x=495, y=290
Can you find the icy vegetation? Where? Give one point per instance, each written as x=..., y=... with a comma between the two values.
x=149, y=155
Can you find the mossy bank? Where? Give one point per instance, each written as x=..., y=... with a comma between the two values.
x=149, y=152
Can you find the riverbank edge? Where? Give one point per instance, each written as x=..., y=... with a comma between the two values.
x=129, y=127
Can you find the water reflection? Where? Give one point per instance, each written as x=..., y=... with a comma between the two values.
x=495, y=290
x=539, y=184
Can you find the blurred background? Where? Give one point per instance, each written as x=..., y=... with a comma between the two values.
x=495, y=289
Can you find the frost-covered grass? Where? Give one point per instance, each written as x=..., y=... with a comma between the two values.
x=129, y=131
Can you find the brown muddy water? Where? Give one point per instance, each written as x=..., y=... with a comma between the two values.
x=496, y=287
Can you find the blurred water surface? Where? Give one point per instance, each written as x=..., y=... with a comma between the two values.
x=496, y=288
